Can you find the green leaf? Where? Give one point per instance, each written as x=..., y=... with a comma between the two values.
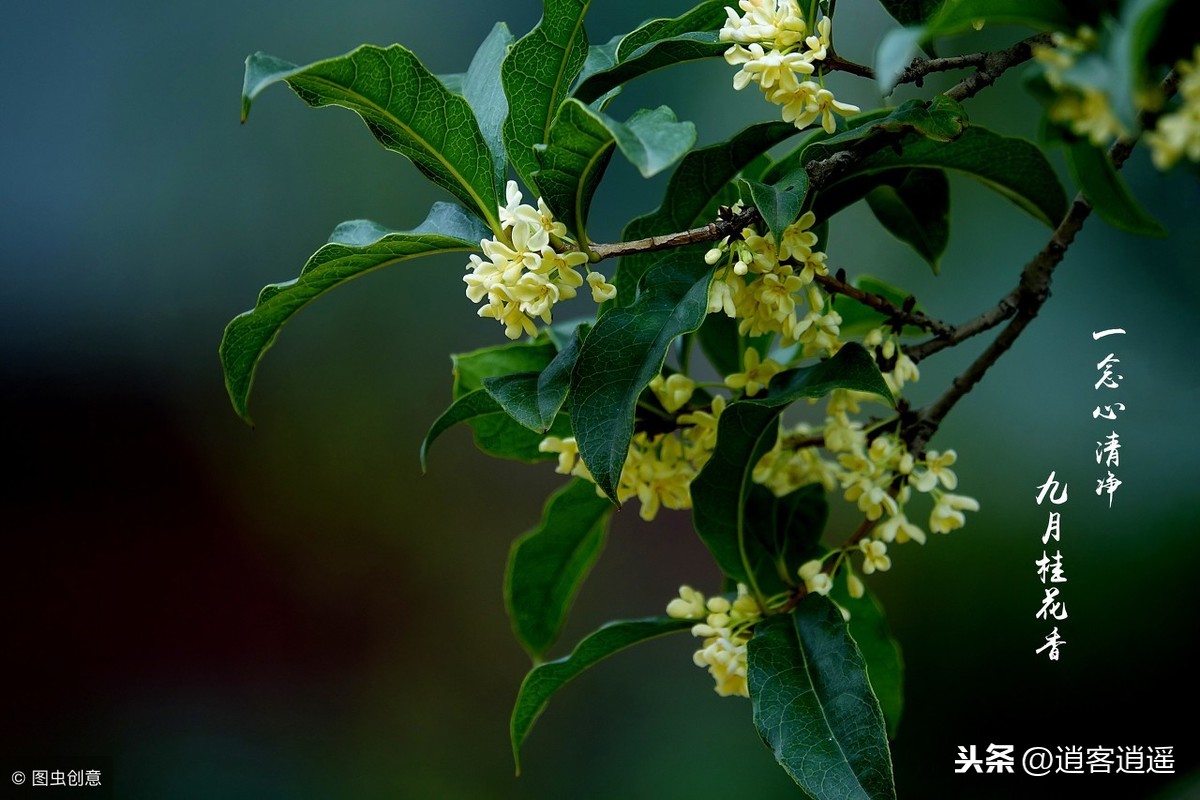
x=783, y=533
x=667, y=52
x=1012, y=166
x=941, y=120
x=599, y=58
x=698, y=185
x=535, y=398
x=780, y=203
x=721, y=342
x=1108, y=193
x=885, y=665
x=482, y=90
x=895, y=52
x=580, y=144
x=548, y=564
x=708, y=16
x=624, y=351
x=472, y=405
x=544, y=680
x=656, y=44
x=471, y=369
x=917, y=212
x=746, y=431
x=500, y=435
x=1129, y=54
x=814, y=707
x=858, y=319
x=354, y=249
x=653, y=139
x=572, y=161
x=537, y=74
x=910, y=12
x=405, y=106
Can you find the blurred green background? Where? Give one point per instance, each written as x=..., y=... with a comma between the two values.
x=295, y=611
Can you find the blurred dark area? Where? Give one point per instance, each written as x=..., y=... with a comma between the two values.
x=295, y=611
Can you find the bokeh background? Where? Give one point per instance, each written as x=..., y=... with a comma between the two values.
x=294, y=611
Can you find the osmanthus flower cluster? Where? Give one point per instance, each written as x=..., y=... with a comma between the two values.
x=528, y=269
x=1177, y=134
x=726, y=628
x=778, y=49
x=685, y=390
x=768, y=287
x=1087, y=108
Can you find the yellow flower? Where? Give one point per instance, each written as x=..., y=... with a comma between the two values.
x=674, y=391
x=947, y=512
x=815, y=580
x=689, y=604
x=875, y=556
x=602, y=290
x=757, y=373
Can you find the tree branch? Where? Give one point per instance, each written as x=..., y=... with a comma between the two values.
x=1025, y=301
x=894, y=313
x=823, y=172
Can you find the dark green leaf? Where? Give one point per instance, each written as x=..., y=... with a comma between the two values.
x=917, y=212
x=719, y=338
x=799, y=155
x=572, y=162
x=1014, y=167
x=534, y=398
x=599, y=58
x=500, y=435
x=814, y=707
x=959, y=16
x=780, y=203
x=1108, y=193
x=548, y=564
x=747, y=430
x=1129, y=53
x=693, y=193
x=656, y=44
x=355, y=248
x=942, y=120
x=880, y=650
x=470, y=369
x=544, y=680
x=472, y=405
x=651, y=57
x=623, y=352
x=404, y=105
x=580, y=144
x=783, y=533
x=910, y=12
x=482, y=89
x=537, y=74
x=709, y=15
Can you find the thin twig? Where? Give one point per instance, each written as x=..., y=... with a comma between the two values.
x=1031, y=293
x=914, y=72
x=713, y=231
x=822, y=172
x=893, y=312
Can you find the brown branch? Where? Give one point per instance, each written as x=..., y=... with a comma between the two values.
x=894, y=313
x=996, y=64
x=823, y=172
x=726, y=225
x=1027, y=300
x=914, y=72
